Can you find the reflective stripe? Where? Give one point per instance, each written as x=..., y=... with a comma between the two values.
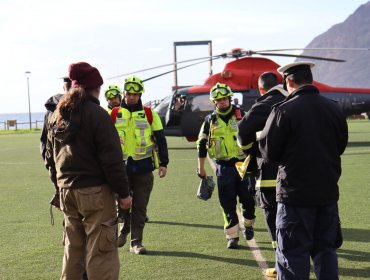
x=246, y=147
x=217, y=148
x=265, y=183
x=232, y=232
x=141, y=125
x=249, y=223
x=258, y=134
x=143, y=152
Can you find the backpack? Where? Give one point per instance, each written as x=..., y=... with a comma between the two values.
x=147, y=110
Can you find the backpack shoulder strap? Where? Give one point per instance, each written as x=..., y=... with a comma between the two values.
x=238, y=114
x=148, y=114
x=114, y=114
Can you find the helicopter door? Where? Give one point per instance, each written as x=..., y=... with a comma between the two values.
x=198, y=107
x=176, y=109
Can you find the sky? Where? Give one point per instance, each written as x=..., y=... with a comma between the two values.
x=121, y=36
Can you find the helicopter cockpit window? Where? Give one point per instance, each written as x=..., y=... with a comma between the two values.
x=237, y=99
x=202, y=103
x=179, y=103
x=163, y=105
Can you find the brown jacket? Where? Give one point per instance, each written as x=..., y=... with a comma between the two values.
x=87, y=152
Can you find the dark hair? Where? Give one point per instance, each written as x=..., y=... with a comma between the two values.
x=70, y=103
x=301, y=77
x=268, y=80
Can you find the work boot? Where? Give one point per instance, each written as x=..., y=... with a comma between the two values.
x=138, y=249
x=122, y=239
x=232, y=243
x=248, y=233
x=271, y=272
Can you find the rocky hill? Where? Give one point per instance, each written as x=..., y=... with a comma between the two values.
x=354, y=32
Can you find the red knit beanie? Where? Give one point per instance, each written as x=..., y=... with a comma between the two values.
x=84, y=75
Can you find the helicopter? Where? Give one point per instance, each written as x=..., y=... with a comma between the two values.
x=183, y=112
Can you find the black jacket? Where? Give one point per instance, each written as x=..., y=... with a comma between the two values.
x=305, y=135
x=50, y=106
x=253, y=122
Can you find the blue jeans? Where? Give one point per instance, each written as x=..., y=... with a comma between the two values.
x=302, y=233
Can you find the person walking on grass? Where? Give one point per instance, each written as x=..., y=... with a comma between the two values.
x=84, y=159
x=218, y=138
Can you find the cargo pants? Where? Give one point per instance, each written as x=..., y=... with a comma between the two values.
x=307, y=232
x=90, y=233
x=230, y=188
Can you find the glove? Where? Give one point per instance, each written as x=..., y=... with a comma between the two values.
x=206, y=188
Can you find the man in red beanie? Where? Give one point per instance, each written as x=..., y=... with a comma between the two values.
x=85, y=161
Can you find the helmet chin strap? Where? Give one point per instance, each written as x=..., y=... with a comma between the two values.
x=224, y=112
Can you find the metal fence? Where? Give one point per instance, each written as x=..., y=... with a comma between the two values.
x=15, y=125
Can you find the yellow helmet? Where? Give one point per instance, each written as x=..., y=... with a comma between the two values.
x=219, y=91
x=112, y=91
x=134, y=85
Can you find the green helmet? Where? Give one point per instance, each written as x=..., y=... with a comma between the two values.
x=112, y=91
x=219, y=91
x=134, y=85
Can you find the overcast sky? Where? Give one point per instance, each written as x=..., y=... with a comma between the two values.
x=44, y=37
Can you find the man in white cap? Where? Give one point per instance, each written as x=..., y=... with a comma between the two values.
x=249, y=127
x=305, y=135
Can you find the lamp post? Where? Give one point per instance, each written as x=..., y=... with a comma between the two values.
x=28, y=75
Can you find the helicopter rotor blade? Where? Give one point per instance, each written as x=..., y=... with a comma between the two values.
x=316, y=49
x=165, y=65
x=242, y=53
x=301, y=56
x=173, y=70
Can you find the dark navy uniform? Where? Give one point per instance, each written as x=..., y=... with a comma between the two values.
x=252, y=123
x=230, y=186
x=305, y=135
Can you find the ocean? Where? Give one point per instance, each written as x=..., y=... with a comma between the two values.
x=22, y=119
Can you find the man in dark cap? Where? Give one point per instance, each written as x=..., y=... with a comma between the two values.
x=306, y=135
x=50, y=106
x=252, y=124
x=85, y=161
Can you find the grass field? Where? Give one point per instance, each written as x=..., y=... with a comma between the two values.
x=184, y=236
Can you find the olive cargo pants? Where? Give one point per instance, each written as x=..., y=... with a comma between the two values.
x=90, y=233
x=141, y=186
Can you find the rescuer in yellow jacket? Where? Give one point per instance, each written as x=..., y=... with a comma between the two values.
x=144, y=149
x=113, y=95
x=218, y=137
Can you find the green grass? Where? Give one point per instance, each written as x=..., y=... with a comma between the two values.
x=184, y=236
